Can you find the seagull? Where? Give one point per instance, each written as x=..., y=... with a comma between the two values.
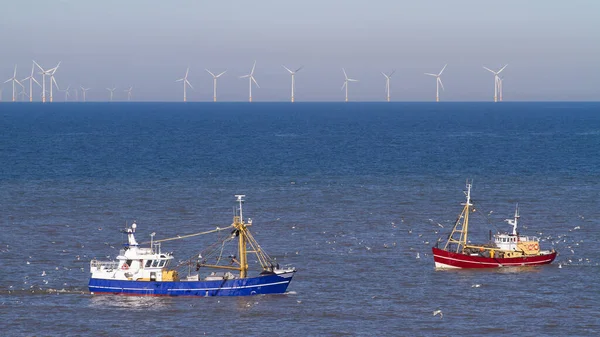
x=438, y=312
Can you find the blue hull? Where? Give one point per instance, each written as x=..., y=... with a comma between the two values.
x=269, y=284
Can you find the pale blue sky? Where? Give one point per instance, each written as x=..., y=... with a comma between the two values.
x=552, y=47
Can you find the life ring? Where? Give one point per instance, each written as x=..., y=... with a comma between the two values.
x=536, y=246
x=125, y=266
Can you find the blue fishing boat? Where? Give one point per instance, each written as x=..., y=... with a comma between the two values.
x=149, y=271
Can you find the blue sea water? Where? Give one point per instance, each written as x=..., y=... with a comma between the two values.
x=352, y=195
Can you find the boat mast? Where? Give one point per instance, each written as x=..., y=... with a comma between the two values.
x=461, y=227
x=513, y=222
x=238, y=224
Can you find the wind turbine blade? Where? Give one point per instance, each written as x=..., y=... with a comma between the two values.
x=286, y=68
x=352, y=80
x=253, y=80
x=37, y=65
x=386, y=76
x=186, y=81
x=213, y=75
x=499, y=71
x=443, y=69
x=10, y=79
x=392, y=73
x=490, y=70
x=346, y=76
x=343, y=85
x=186, y=72
x=441, y=84
x=297, y=70
x=55, y=84
x=179, y=80
x=431, y=74
x=244, y=76
x=222, y=73
x=15, y=74
x=38, y=83
x=253, y=66
x=20, y=83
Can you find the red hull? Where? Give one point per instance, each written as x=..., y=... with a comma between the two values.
x=445, y=259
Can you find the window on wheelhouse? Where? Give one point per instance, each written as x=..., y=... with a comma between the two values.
x=162, y=263
x=148, y=263
x=128, y=263
x=155, y=263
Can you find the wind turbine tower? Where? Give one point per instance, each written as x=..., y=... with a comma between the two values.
x=44, y=73
x=112, y=91
x=84, y=91
x=14, y=80
x=215, y=83
x=250, y=80
x=31, y=79
x=438, y=83
x=52, y=80
x=387, y=83
x=67, y=93
x=129, y=94
x=293, y=73
x=497, y=82
x=346, y=83
x=185, y=83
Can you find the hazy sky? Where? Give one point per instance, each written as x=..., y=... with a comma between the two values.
x=552, y=47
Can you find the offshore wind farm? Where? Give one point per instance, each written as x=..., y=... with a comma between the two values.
x=128, y=95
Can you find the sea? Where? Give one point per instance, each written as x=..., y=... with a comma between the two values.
x=353, y=195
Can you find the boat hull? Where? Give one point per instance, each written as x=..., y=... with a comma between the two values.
x=449, y=260
x=268, y=284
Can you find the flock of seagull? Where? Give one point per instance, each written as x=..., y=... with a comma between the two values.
x=67, y=91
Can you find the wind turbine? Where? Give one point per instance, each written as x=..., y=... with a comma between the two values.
x=293, y=80
x=52, y=80
x=250, y=80
x=387, y=83
x=185, y=83
x=346, y=83
x=438, y=83
x=14, y=80
x=66, y=92
x=129, y=94
x=44, y=73
x=23, y=94
x=84, y=90
x=112, y=90
x=497, y=82
x=31, y=79
x=215, y=83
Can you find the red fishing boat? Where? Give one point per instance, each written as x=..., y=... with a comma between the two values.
x=505, y=250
